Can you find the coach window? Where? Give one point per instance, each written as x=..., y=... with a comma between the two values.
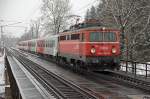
x=46, y=43
x=43, y=43
x=75, y=36
x=33, y=44
x=51, y=43
x=39, y=43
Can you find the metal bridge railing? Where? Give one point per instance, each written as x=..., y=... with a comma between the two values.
x=136, y=68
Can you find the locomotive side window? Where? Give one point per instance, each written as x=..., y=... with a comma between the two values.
x=68, y=37
x=62, y=38
x=109, y=37
x=75, y=36
x=82, y=37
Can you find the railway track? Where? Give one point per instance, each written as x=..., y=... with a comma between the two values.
x=121, y=78
x=59, y=87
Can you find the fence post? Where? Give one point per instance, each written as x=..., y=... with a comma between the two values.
x=132, y=67
x=146, y=70
x=135, y=68
x=126, y=66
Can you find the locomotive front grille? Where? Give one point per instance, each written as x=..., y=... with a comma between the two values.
x=102, y=60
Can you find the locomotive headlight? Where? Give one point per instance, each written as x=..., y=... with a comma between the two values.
x=93, y=50
x=114, y=50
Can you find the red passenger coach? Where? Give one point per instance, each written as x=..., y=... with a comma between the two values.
x=93, y=46
x=40, y=46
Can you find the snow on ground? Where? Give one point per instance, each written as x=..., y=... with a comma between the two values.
x=2, y=79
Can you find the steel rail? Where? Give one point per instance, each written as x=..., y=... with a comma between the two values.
x=65, y=89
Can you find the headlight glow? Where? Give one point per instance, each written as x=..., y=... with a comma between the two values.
x=93, y=50
x=114, y=50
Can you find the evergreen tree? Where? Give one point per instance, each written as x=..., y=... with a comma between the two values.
x=87, y=15
x=93, y=13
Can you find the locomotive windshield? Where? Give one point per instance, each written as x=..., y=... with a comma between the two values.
x=102, y=37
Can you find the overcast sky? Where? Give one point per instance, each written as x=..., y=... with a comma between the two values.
x=12, y=11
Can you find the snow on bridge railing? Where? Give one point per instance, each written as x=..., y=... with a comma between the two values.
x=137, y=68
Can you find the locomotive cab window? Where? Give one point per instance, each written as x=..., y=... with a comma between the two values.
x=109, y=37
x=96, y=37
x=102, y=37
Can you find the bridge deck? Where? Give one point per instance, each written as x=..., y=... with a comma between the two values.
x=26, y=87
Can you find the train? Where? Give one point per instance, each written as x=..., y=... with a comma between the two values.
x=87, y=47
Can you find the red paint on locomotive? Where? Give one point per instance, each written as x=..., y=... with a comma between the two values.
x=80, y=47
x=83, y=48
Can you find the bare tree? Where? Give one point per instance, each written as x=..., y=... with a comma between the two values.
x=35, y=28
x=55, y=14
x=132, y=17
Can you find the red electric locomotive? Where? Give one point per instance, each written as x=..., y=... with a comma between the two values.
x=92, y=47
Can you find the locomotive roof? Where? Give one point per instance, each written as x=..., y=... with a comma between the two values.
x=91, y=29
